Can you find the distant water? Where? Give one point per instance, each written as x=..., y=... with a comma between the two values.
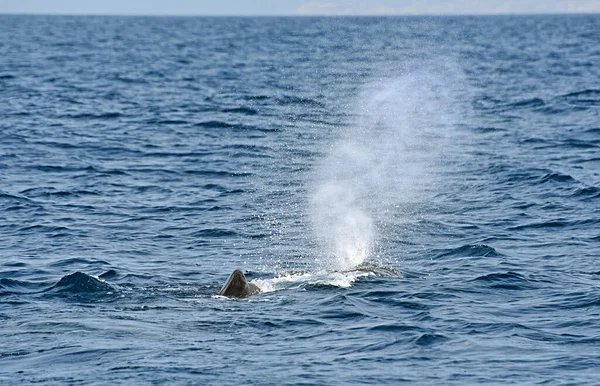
x=144, y=159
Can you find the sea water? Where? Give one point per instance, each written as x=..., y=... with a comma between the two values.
x=143, y=159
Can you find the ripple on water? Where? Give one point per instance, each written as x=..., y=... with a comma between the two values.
x=160, y=153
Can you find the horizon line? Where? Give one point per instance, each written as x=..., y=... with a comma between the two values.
x=298, y=15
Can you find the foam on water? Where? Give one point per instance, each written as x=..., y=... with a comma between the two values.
x=336, y=279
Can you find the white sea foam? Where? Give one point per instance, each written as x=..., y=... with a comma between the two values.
x=337, y=279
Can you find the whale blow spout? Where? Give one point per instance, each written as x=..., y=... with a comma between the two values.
x=237, y=286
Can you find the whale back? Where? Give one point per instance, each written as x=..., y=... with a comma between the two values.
x=378, y=270
x=237, y=285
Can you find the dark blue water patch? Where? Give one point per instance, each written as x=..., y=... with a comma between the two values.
x=70, y=262
x=528, y=103
x=232, y=126
x=256, y=149
x=471, y=250
x=209, y=173
x=556, y=177
x=393, y=327
x=557, y=223
x=216, y=187
x=587, y=193
x=294, y=100
x=110, y=274
x=338, y=313
x=63, y=168
x=52, y=231
x=540, y=225
x=256, y=97
x=486, y=103
x=241, y=110
x=183, y=154
x=570, y=300
x=507, y=175
x=15, y=264
x=170, y=122
x=590, y=97
x=499, y=106
x=477, y=328
x=88, y=117
x=488, y=130
x=536, y=140
x=584, y=161
x=133, y=279
x=593, y=130
x=508, y=281
x=579, y=143
x=14, y=286
x=52, y=192
x=430, y=339
x=9, y=199
x=214, y=232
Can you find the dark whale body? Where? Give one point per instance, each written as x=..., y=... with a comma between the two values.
x=237, y=285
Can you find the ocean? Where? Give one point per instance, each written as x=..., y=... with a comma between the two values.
x=143, y=159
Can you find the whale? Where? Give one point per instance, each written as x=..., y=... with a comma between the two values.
x=238, y=286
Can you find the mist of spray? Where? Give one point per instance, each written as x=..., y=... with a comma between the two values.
x=381, y=165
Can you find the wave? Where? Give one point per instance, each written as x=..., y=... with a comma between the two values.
x=214, y=124
x=109, y=115
x=77, y=261
x=215, y=173
x=574, y=101
x=527, y=103
x=12, y=197
x=294, y=100
x=430, y=339
x=65, y=168
x=558, y=223
x=540, y=225
x=556, y=177
x=570, y=300
x=587, y=193
x=76, y=283
x=588, y=97
x=487, y=129
x=508, y=280
x=14, y=286
x=241, y=110
x=470, y=250
x=82, y=287
x=170, y=122
x=54, y=230
x=580, y=144
x=215, y=232
x=53, y=192
x=110, y=274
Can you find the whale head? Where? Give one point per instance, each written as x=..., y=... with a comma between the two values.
x=237, y=286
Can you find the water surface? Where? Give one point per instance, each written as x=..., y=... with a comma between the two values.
x=144, y=159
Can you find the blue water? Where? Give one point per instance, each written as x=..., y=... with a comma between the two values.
x=144, y=159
